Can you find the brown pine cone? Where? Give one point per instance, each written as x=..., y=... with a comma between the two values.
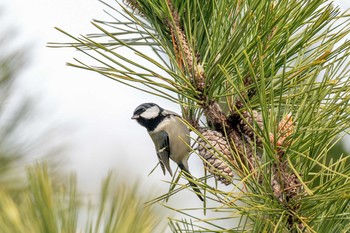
x=285, y=183
x=216, y=164
x=251, y=122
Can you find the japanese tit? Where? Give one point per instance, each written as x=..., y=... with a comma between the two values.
x=169, y=135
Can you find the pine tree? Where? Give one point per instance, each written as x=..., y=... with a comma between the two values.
x=265, y=87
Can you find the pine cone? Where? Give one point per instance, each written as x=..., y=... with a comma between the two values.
x=285, y=184
x=285, y=129
x=215, y=142
x=250, y=123
x=134, y=5
x=245, y=149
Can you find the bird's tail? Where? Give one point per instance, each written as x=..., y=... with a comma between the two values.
x=190, y=178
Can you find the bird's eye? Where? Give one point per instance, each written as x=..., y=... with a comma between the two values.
x=140, y=110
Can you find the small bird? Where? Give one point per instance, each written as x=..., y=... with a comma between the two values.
x=169, y=135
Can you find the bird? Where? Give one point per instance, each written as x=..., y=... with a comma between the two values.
x=170, y=135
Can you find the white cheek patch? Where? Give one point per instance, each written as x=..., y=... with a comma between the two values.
x=151, y=113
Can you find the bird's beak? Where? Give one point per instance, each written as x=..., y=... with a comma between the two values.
x=134, y=117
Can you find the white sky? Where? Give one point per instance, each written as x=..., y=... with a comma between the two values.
x=94, y=111
x=102, y=137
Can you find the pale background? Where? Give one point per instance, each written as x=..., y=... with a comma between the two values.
x=92, y=112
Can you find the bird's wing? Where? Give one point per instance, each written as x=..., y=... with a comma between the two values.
x=161, y=141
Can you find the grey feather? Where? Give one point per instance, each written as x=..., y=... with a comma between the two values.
x=161, y=142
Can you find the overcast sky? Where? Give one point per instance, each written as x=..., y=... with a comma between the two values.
x=95, y=110
x=92, y=112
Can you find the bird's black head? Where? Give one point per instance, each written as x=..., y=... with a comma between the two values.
x=148, y=115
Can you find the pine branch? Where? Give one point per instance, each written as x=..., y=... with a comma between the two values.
x=263, y=84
